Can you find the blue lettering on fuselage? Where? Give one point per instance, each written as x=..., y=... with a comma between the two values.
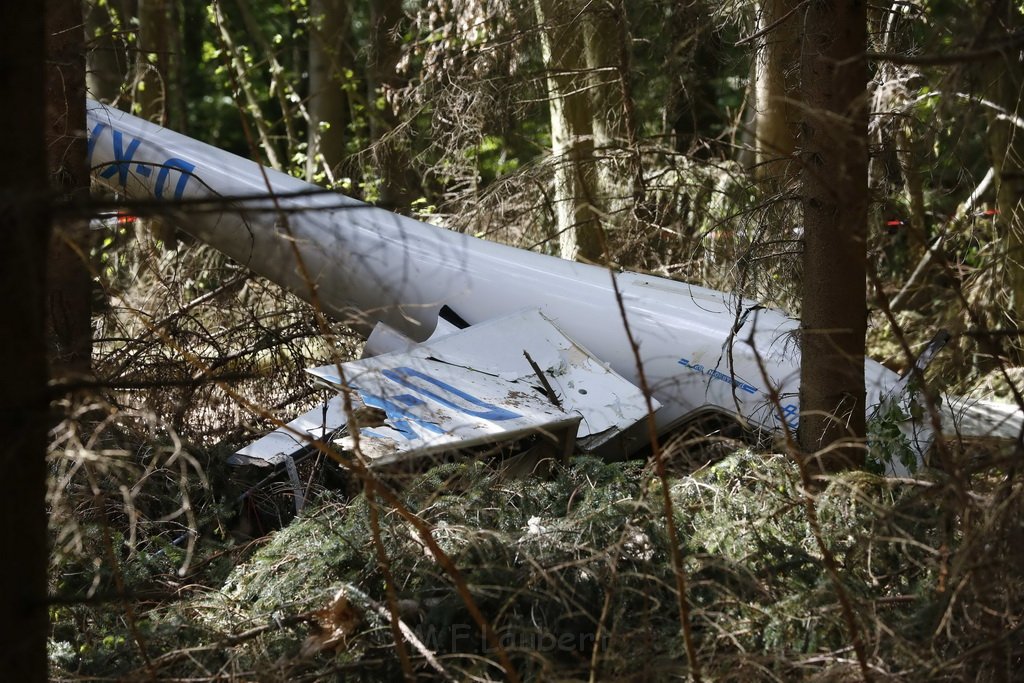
x=717, y=375
x=94, y=135
x=791, y=414
x=122, y=158
x=161, y=178
x=125, y=148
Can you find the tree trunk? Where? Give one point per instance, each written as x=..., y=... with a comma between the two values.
x=618, y=166
x=174, y=64
x=601, y=49
x=153, y=89
x=24, y=235
x=777, y=90
x=601, y=52
x=691, y=110
x=69, y=292
x=252, y=106
x=191, y=79
x=328, y=102
x=151, y=80
x=1006, y=148
x=572, y=136
x=383, y=82
x=106, y=57
x=835, y=201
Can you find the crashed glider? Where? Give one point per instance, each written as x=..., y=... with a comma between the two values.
x=468, y=341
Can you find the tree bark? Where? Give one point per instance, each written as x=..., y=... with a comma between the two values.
x=176, y=102
x=777, y=90
x=572, y=135
x=328, y=101
x=383, y=82
x=601, y=49
x=241, y=81
x=602, y=56
x=835, y=201
x=106, y=58
x=191, y=79
x=24, y=235
x=619, y=180
x=151, y=77
x=69, y=292
x=1006, y=148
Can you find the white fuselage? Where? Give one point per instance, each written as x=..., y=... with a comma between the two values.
x=370, y=265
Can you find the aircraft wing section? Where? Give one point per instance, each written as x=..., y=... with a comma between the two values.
x=278, y=445
x=501, y=380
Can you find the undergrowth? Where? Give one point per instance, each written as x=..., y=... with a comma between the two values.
x=574, y=574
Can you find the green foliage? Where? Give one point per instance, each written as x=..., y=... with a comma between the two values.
x=887, y=442
x=580, y=558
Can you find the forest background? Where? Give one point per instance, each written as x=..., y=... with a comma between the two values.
x=651, y=135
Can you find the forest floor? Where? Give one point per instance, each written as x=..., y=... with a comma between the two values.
x=167, y=564
x=920, y=578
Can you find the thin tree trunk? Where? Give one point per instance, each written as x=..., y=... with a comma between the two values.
x=153, y=88
x=572, y=137
x=69, y=318
x=601, y=53
x=24, y=236
x=777, y=89
x=913, y=188
x=328, y=102
x=383, y=81
x=279, y=83
x=106, y=58
x=1006, y=148
x=619, y=171
x=176, y=102
x=242, y=79
x=835, y=201
x=192, y=80
x=151, y=60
